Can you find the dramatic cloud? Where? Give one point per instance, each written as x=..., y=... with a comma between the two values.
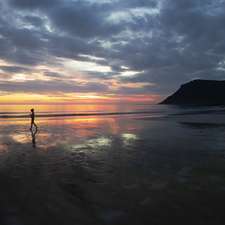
x=14, y=69
x=111, y=48
x=47, y=87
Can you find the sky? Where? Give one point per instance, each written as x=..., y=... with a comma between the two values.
x=107, y=51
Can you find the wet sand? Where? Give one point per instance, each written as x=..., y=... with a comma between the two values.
x=113, y=170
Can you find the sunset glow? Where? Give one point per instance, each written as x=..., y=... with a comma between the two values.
x=91, y=51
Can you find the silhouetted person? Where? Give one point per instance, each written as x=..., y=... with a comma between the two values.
x=33, y=138
x=32, y=119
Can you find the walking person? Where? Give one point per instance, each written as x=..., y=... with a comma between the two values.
x=32, y=119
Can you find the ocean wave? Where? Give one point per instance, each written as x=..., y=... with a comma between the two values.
x=80, y=114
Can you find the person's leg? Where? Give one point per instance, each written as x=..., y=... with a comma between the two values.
x=35, y=125
x=31, y=125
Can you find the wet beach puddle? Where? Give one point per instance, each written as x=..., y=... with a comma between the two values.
x=110, y=171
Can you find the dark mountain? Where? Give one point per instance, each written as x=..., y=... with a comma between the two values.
x=199, y=92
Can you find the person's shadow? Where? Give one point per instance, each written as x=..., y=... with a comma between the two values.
x=33, y=138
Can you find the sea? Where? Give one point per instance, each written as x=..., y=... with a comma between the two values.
x=50, y=110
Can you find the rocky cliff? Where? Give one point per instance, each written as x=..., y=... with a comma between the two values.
x=199, y=92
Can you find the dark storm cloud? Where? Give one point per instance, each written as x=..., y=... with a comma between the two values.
x=82, y=20
x=33, y=46
x=33, y=4
x=33, y=20
x=134, y=4
x=21, y=45
x=179, y=41
x=54, y=87
x=79, y=18
x=24, y=57
x=14, y=69
x=67, y=47
x=53, y=75
x=24, y=39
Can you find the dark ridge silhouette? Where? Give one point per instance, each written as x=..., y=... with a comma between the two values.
x=199, y=92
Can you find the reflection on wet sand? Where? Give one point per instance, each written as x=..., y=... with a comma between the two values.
x=33, y=138
x=111, y=171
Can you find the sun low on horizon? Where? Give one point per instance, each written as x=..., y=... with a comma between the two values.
x=106, y=52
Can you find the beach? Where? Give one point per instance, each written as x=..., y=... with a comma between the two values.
x=129, y=168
